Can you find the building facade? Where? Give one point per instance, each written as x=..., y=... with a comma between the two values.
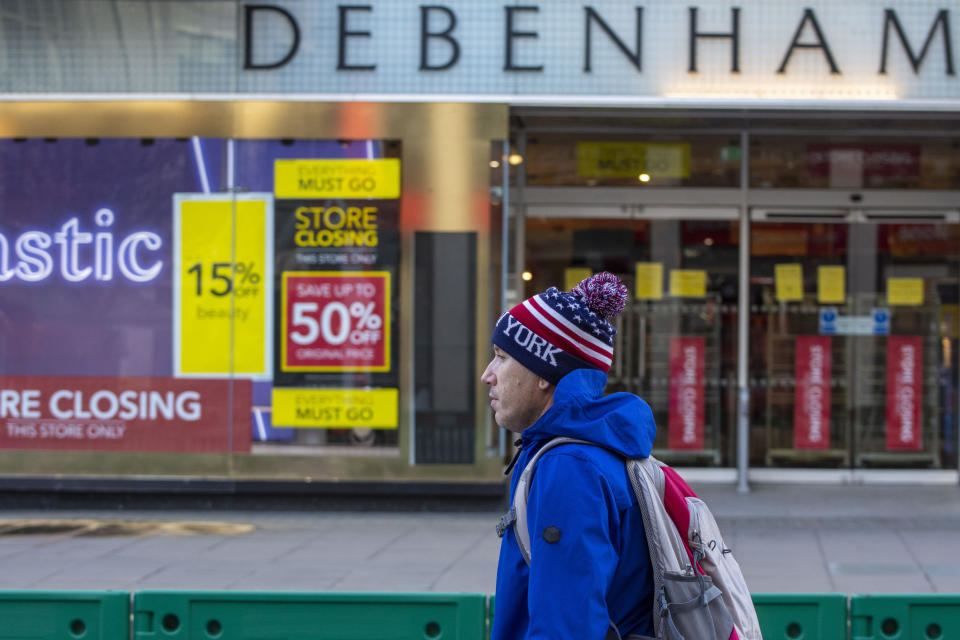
x=269, y=240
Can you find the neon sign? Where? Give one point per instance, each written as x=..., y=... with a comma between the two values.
x=30, y=257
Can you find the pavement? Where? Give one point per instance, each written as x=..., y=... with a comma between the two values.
x=790, y=538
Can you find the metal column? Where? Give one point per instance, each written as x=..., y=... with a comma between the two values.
x=743, y=323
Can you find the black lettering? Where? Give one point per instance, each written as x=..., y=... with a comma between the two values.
x=632, y=56
x=508, y=64
x=343, y=33
x=821, y=42
x=734, y=36
x=942, y=20
x=248, y=13
x=426, y=35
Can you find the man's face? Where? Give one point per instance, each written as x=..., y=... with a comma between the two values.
x=518, y=396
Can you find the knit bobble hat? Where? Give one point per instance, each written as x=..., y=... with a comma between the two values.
x=555, y=332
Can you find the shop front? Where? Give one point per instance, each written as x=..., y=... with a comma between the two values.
x=851, y=259
x=268, y=241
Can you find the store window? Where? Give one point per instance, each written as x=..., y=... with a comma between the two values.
x=853, y=344
x=199, y=295
x=676, y=340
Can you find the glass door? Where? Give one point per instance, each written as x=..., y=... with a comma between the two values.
x=853, y=338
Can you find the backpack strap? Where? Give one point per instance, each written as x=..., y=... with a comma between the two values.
x=517, y=516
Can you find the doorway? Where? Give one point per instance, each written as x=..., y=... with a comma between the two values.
x=853, y=328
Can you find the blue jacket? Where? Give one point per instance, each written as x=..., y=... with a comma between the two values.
x=597, y=568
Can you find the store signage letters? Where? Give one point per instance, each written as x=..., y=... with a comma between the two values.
x=440, y=48
x=686, y=415
x=811, y=413
x=82, y=254
x=124, y=414
x=904, y=393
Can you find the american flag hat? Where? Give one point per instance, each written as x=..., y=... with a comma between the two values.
x=555, y=332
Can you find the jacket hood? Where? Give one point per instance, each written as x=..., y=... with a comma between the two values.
x=620, y=421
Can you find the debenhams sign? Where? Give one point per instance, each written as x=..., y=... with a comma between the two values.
x=860, y=50
x=900, y=52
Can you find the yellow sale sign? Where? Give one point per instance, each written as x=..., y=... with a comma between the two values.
x=222, y=285
x=335, y=408
x=337, y=179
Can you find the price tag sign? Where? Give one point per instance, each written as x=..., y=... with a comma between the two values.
x=222, y=290
x=335, y=321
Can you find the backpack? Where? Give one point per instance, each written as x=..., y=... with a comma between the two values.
x=699, y=590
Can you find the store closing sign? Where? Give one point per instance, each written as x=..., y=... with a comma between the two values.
x=124, y=414
x=686, y=417
x=811, y=409
x=904, y=393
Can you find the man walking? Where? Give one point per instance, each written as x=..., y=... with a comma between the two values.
x=589, y=574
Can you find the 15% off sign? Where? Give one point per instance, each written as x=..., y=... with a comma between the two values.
x=336, y=321
x=222, y=285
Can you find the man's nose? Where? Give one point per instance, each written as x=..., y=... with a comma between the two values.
x=487, y=377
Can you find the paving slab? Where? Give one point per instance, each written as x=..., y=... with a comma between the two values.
x=791, y=539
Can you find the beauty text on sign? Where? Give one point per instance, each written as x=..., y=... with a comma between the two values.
x=124, y=414
x=222, y=285
x=335, y=408
x=332, y=179
x=335, y=321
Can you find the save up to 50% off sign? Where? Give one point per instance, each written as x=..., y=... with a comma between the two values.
x=336, y=321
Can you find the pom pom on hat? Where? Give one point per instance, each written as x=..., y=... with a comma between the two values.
x=603, y=294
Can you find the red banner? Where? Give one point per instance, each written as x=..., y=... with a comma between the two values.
x=685, y=426
x=336, y=321
x=124, y=414
x=904, y=393
x=873, y=160
x=811, y=407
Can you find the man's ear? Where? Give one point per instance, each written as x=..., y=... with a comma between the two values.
x=542, y=384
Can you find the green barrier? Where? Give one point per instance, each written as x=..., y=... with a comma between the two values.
x=802, y=616
x=64, y=615
x=791, y=616
x=905, y=617
x=235, y=615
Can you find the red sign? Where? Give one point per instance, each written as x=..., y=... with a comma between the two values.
x=811, y=408
x=685, y=426
x=336, y=321
x=124, y=414
x=872, y=160
x=904, y=393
